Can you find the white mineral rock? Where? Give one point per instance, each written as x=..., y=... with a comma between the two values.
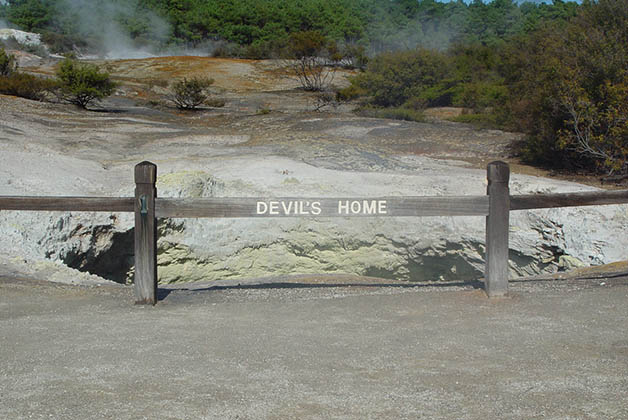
x=24, y=38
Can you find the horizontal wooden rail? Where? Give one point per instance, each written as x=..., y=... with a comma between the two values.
x=322, y=207
x=589, y=198
x=147, y=207
x=106, y=204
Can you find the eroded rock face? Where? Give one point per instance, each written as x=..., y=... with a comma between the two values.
x=313, y=246
x=100, y=244
x=413, y=249
x=431, y=248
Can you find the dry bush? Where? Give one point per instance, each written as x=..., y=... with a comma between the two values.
x=308, y=57
x=26, y=86
x=313, y=73
x=328, y=99
x=191, y=93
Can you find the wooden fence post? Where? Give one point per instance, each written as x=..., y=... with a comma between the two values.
x=145, y=234
x=496, y=275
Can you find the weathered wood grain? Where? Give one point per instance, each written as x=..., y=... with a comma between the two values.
x=323, y=207
x=588, y=198
x=496, y=276
x=145, y=234
x=241, y=207
x=105, y=204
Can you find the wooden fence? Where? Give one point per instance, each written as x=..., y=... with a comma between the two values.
x=496, y=206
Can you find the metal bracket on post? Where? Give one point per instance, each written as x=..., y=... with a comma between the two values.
x=143, y=205
x=497, y=222
x=145, y=234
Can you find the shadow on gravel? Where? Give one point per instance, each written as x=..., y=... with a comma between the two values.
x=610, y=274
x=163, y=293
x=109, y=111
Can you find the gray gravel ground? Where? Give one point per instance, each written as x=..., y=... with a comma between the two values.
x=315, y=350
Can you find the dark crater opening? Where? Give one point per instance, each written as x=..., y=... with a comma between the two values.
x=111, y=260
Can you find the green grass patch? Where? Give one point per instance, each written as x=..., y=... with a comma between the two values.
x=263, y=111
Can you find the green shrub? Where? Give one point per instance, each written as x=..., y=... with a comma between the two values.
x=262, y=49
x=479, y=82
x=350, y=92
x=570, y=90
x=399, y=113
x=7, y=63
x=479, y=95
x=484, y=120
x=26, y=86
x=81, y=84
x=190, y=93
x=392, y=79
x=598, y=128
x=263, y=111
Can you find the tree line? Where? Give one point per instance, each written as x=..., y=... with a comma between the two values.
x=259, y=28
x=565, y=84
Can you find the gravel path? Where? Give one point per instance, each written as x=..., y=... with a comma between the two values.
x=556, y=350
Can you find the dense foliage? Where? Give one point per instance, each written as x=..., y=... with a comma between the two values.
x=259, y=28
x=565, y=84
x=569, y=89
x=403, y=78
x=468, y=76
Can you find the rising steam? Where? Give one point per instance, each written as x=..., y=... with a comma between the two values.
x=118, y=29
x=101, y=23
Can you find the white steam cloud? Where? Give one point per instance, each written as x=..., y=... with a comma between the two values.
x=101, y=23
